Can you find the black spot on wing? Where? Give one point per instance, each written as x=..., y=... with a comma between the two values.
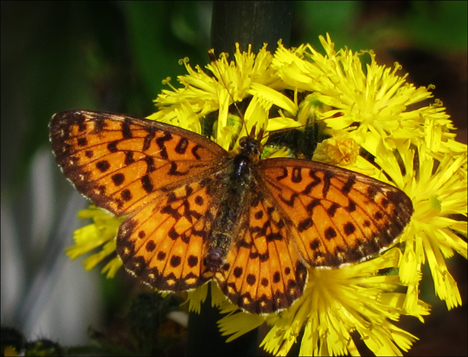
x=150, y=166
x=103, y=165
x=129, y=158
x=326, y=183
x=296, y=175
x=283, y=175
x=112, y=146
x=126, y=195
x=162, y=146
x=349, y=228
x=330, y=233
x=82, y=142
x=146, y=184
x=348, y=185
x=147, y=141
x=305, y=224
x=118, y=179
x=173, y=171
x=195, y=152
x=126, y=131
x=181, y=146
x=332, y=209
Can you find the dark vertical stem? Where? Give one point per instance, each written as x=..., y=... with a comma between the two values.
x=245, y=22
x=204, y=338
x=250, y=22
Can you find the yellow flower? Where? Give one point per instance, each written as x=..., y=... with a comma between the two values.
x=203, y=94
x=363, y=123
x=438, y=191
x=10, y=351
x=375, y=98
x=338, y=150
x=335, y=303
x=102, y=234
x=438, y=133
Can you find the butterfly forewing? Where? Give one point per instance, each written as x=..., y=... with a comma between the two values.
x=123, y=163
x=336, y=216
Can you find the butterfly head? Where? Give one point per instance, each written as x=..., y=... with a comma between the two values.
x=250, y=147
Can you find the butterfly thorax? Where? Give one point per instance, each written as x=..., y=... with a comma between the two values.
x=239, y=184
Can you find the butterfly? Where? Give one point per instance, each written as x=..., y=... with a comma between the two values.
x=195, y=212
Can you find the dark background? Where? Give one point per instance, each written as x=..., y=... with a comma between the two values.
x=113, y=56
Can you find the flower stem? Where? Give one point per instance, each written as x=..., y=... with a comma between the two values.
x=204, y=338
x=250, y=22
x=245, y=22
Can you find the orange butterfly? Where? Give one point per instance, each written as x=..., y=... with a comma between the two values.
x=197, y=212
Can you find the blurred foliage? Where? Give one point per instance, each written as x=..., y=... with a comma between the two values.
x=113, y=55
x=96, y=55
x=146, y=330
x=434, y=25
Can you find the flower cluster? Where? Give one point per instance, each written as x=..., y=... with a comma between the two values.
x=367, y=119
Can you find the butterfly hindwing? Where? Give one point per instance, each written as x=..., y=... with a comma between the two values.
x=264, y=269
x=165, y=242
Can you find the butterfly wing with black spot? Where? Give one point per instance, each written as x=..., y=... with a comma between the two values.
x=123, y=163
x=337, y=216
x=263, y=271
x=165, y=243
x=162, y=176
